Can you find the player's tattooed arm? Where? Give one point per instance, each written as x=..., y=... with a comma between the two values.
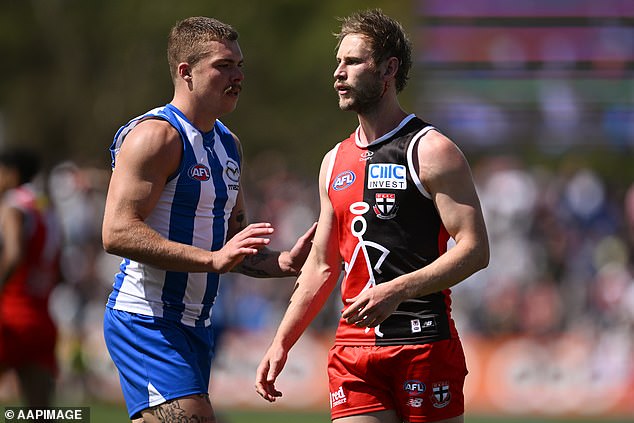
x=267, y=263
x=241, y=220
x=264, y=264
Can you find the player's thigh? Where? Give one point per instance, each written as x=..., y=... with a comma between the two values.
x=457, y=419
x=383, y=416
x=189, y=408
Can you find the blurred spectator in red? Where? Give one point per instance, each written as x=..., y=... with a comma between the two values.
x=29, y=269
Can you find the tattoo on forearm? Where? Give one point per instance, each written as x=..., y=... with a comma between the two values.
x=259, y=258
x=241, y=219
x=253, y=265
x=254, y=273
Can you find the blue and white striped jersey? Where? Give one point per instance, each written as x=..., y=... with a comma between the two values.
x=194, y=209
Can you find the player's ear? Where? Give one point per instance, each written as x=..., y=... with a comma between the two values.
x=391, y=67
x=184, y=71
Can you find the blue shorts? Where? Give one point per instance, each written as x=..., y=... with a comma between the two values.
x=158, y=359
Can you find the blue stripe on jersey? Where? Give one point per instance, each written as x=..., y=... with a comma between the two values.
x=181, y=229
x=228, y=142
x=222, y=134
x=220, y=201
x=118, y=279
x=218, y=225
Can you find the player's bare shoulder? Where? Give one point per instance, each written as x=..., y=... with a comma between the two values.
x=238, y=143
x=152, y=144
x=325, y=167
x=438, y=155
x=155, y=135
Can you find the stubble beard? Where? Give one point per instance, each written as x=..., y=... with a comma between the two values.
x=362, y=99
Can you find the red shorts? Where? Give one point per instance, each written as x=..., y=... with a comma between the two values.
x=422, y=383
x=25, y=345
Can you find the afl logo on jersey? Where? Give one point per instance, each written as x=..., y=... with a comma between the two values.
x=343, y=180
x=414, y=387
x=199, y=172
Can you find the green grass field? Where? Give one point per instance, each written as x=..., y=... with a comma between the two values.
x=291, y=417
x=113, y=414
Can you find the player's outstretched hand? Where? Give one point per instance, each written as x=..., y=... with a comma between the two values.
x=270, y=367
x=295, y=258
x=246, y=242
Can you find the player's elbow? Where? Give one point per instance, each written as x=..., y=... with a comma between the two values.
x=475, y=252
x=107, y=242
x=110, y=240
x=481, y=255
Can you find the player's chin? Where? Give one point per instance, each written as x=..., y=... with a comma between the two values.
x=230, y=104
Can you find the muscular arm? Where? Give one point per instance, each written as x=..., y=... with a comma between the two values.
x=317, y=280
x=149, y=155
x=446, y=175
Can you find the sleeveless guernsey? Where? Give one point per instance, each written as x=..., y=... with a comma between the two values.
x=193, y=209
x=25, y=294
x=387, y=226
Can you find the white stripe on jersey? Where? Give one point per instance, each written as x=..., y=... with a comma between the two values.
x=331, y=165
x=410, y=160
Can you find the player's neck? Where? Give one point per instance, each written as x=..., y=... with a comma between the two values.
x=202, y=120
x=379, y=122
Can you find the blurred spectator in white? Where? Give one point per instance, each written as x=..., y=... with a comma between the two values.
x=79, y=194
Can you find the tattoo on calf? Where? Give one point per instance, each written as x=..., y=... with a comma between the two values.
x=173, y=412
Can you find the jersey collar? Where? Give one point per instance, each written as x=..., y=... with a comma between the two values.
x=357, y=133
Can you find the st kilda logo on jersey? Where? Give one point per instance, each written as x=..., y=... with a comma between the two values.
x=385, y=205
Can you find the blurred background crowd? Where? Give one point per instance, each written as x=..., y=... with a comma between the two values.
x=561, y=268
x=539, y=96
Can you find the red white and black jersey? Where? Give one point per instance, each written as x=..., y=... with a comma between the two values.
x=387, y=226
x=24, y=297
